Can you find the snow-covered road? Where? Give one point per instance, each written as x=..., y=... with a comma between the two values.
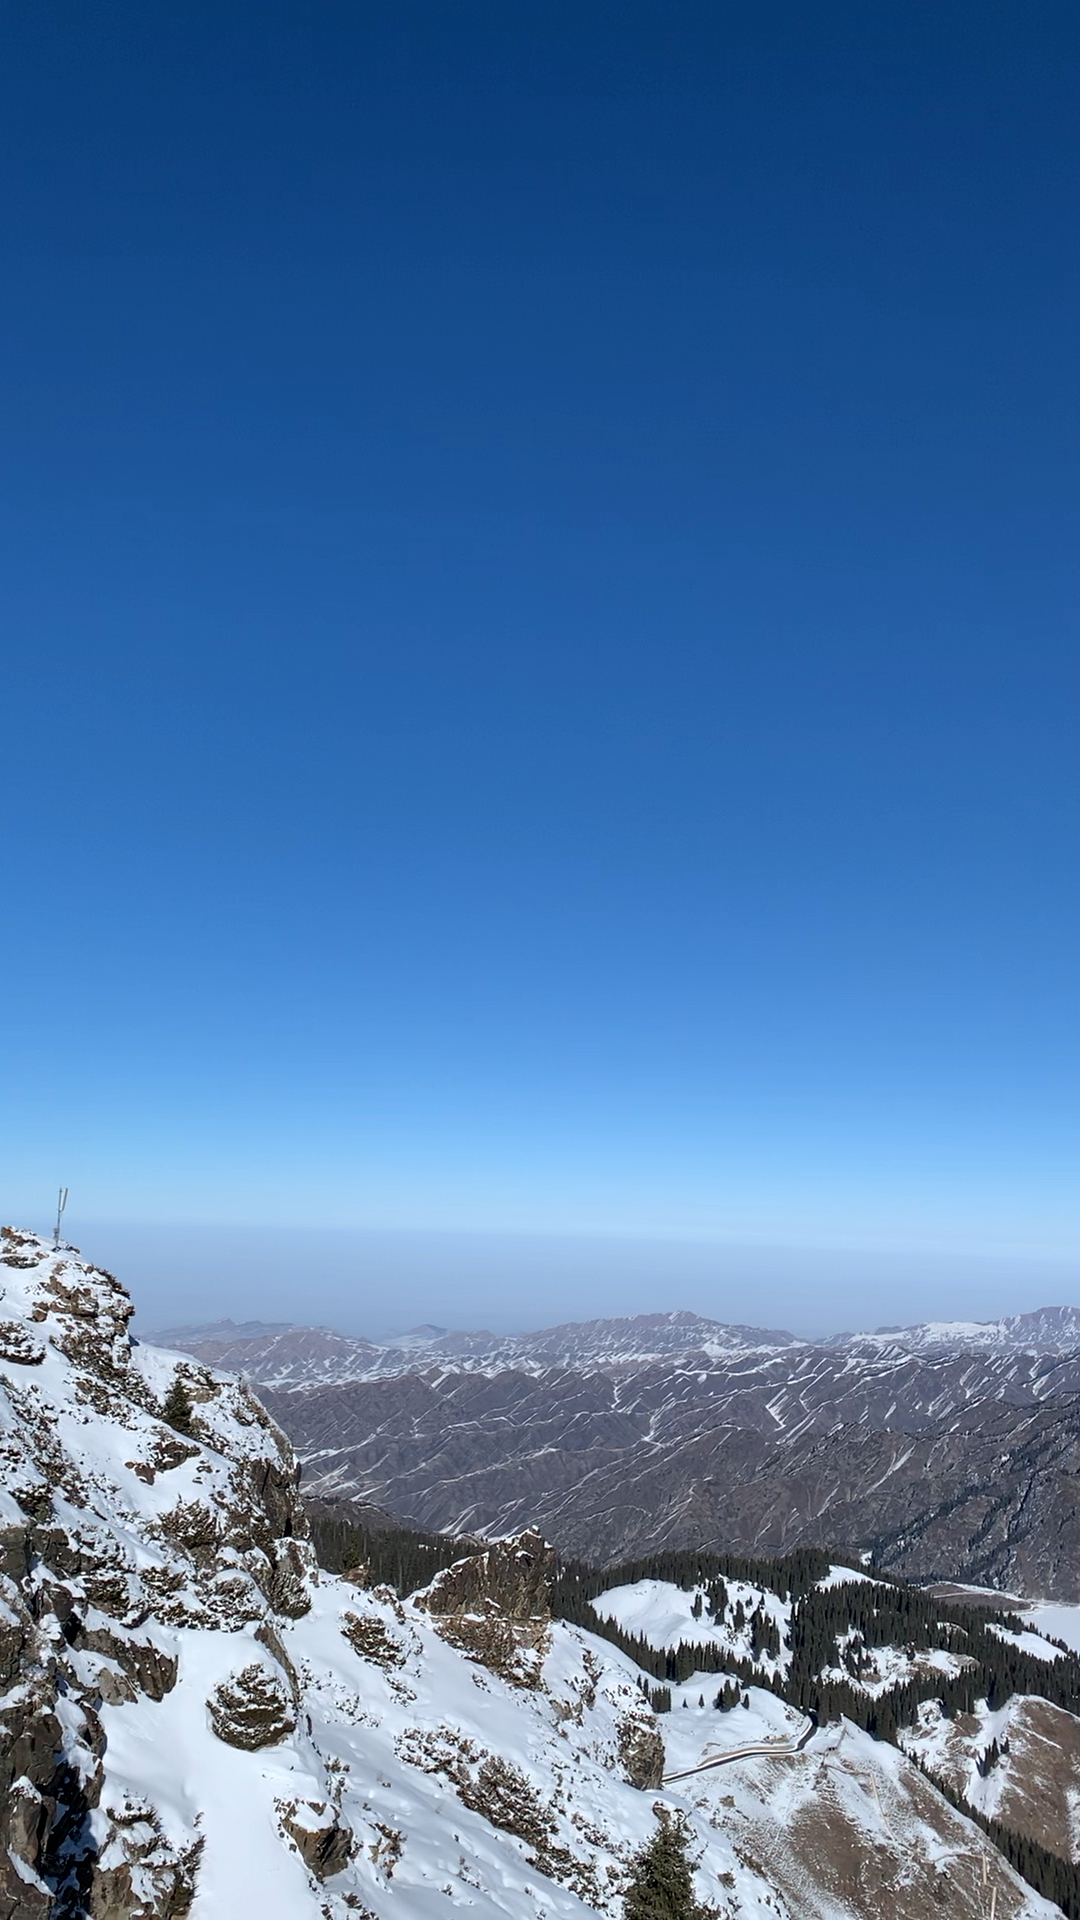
x=773, y=1749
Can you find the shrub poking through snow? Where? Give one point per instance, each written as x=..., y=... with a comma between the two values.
x=367, y=1633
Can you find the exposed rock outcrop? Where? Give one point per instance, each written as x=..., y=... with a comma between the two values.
x=251, y=1709
x=324, y=1844
x=513, y=1574
x=641, y=1750
x=494, y=1606
x=112, y=1528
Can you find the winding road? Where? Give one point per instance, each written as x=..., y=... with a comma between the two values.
x=774, y=1749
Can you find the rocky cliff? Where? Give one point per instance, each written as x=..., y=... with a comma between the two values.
x=141, y=1494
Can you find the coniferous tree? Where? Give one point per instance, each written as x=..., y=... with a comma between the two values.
x=662, y=1887
x=178, y=1410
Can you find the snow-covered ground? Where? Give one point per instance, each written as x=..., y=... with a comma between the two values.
x=391, y=1745
x=848, y=1825
x=935, y=1739
x=694, y=1733
x=889, y=1667
x=663, y=1615
x=1060, y=1623
x=1028, y=1642
x=844, y=1577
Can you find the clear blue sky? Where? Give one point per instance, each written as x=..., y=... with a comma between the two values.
x=539, y=591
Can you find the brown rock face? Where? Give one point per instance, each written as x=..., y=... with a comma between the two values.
x=494, y=1607
x=325, y=1846
x=515, y=1575
x=141, y=1873
x=18, y=1345
x=641, y=1750
x=251, y=1709
x=151, y=1670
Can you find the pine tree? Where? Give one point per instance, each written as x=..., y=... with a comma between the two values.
x=662, y=1887
x=178, y=1410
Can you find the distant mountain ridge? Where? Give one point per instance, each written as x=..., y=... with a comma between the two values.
x=283, y=1355
x=1046, y=1330
x=948, y=1450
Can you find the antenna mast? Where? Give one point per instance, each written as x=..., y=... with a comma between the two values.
x=60, y=1205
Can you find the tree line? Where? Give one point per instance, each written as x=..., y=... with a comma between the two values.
x=404, y=1558
x=870, y=1614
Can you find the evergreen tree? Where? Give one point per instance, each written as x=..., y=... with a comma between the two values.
x=178, y=1410
x=400, y=1557
x=662, y=1887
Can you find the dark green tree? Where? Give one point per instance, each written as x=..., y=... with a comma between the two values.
x=178, y=1410
x=663, y=1887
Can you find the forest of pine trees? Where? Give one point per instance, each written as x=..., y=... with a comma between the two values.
x=398, y=1557
x=875, y=1613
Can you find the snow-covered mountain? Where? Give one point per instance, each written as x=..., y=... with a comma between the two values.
x=946, y=1464
x=288, y=1356
x=278, y=1354
x=621, y=1436
x=282, y=1355
x=1017, y=1760
x=1047, y=1330
x=197, y=1719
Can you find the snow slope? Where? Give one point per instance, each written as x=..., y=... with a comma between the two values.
x=1056, y=1622
x=663, y=1615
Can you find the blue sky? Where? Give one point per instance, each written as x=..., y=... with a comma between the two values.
x=539, y=586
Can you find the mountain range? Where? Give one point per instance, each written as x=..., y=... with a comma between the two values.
x=943, y=1451
x=285, y=1355
x=201, y=1716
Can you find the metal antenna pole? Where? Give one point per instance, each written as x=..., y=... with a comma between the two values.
x=60, y=1205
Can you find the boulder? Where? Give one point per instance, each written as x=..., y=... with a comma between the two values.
x=252, y=1709
x=324, y=1844
x=641, y=1751
x=495, y=1606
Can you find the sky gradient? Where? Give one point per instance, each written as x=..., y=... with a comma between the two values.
x=539, y=580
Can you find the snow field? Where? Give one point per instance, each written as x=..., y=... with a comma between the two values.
x=662, y=1614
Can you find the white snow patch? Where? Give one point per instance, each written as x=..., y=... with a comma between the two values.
x=1060, y=1622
